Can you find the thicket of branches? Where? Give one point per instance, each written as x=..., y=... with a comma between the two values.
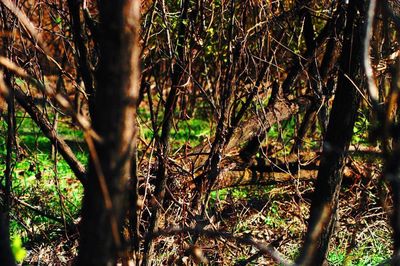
x=117, y=69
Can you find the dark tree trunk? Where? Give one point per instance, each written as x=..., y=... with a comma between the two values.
x=340, y=130
x=6, y=256
x=392, y=169
x=106, y=197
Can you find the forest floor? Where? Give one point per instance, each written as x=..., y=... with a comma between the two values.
x=274, y=215
x=277, y=215
x=47, y=198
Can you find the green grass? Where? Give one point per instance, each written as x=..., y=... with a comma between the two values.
x=365, y=254
x=34, y=182
x=17, y=248
x=192, y=131
x=373, y=240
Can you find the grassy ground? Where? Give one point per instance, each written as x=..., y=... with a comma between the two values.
x=42, y=183
x=271, y=213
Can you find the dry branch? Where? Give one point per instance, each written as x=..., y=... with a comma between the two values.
x=28, y=104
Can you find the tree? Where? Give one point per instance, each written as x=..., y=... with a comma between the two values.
x=336, y=142
x=221, y=93
x=117, y=79
x=6, y=256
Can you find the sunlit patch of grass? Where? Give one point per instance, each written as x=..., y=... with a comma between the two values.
x=191, y=131
x=236, y=193
x=336, y=256
x=17, y=248
x=360, y=256
x=284, y=130
x=36, y=184
x=218, y=195
x=273, y=218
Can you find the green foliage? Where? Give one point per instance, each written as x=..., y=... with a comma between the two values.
x=191, y=132
x=273, y=218
x=17, y=249
x=58, y=20
x=336, y=257
x=20, y=82
x=364, y=254
x=361, y=128
x=218, y=195
x=285, y=131
x=239, y=193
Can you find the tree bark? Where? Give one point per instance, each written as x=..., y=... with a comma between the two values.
x=117, y=78
x=302, y=167
x=6, y=256
x=340, y=130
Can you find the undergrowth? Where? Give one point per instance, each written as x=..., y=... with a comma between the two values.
x=275, y=214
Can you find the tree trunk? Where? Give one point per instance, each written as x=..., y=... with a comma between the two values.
x=6, y=256
x=340, y=130
x=105, y=199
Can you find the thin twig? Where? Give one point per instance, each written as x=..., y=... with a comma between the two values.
x=61, y=100
x=28, y=25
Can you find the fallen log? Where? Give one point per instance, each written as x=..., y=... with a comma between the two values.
x=275, y=171
x=257, y=124
x=250, y=132
x=237, y=172
x=255, y=129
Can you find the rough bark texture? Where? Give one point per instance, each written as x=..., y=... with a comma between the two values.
x=340, y=130
x=252, y=132
x=246, y=140
x=392, y=174
x=6, y=256
x=104, y=207
x=247, y=136
x=256, y=125
x=273, y=171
